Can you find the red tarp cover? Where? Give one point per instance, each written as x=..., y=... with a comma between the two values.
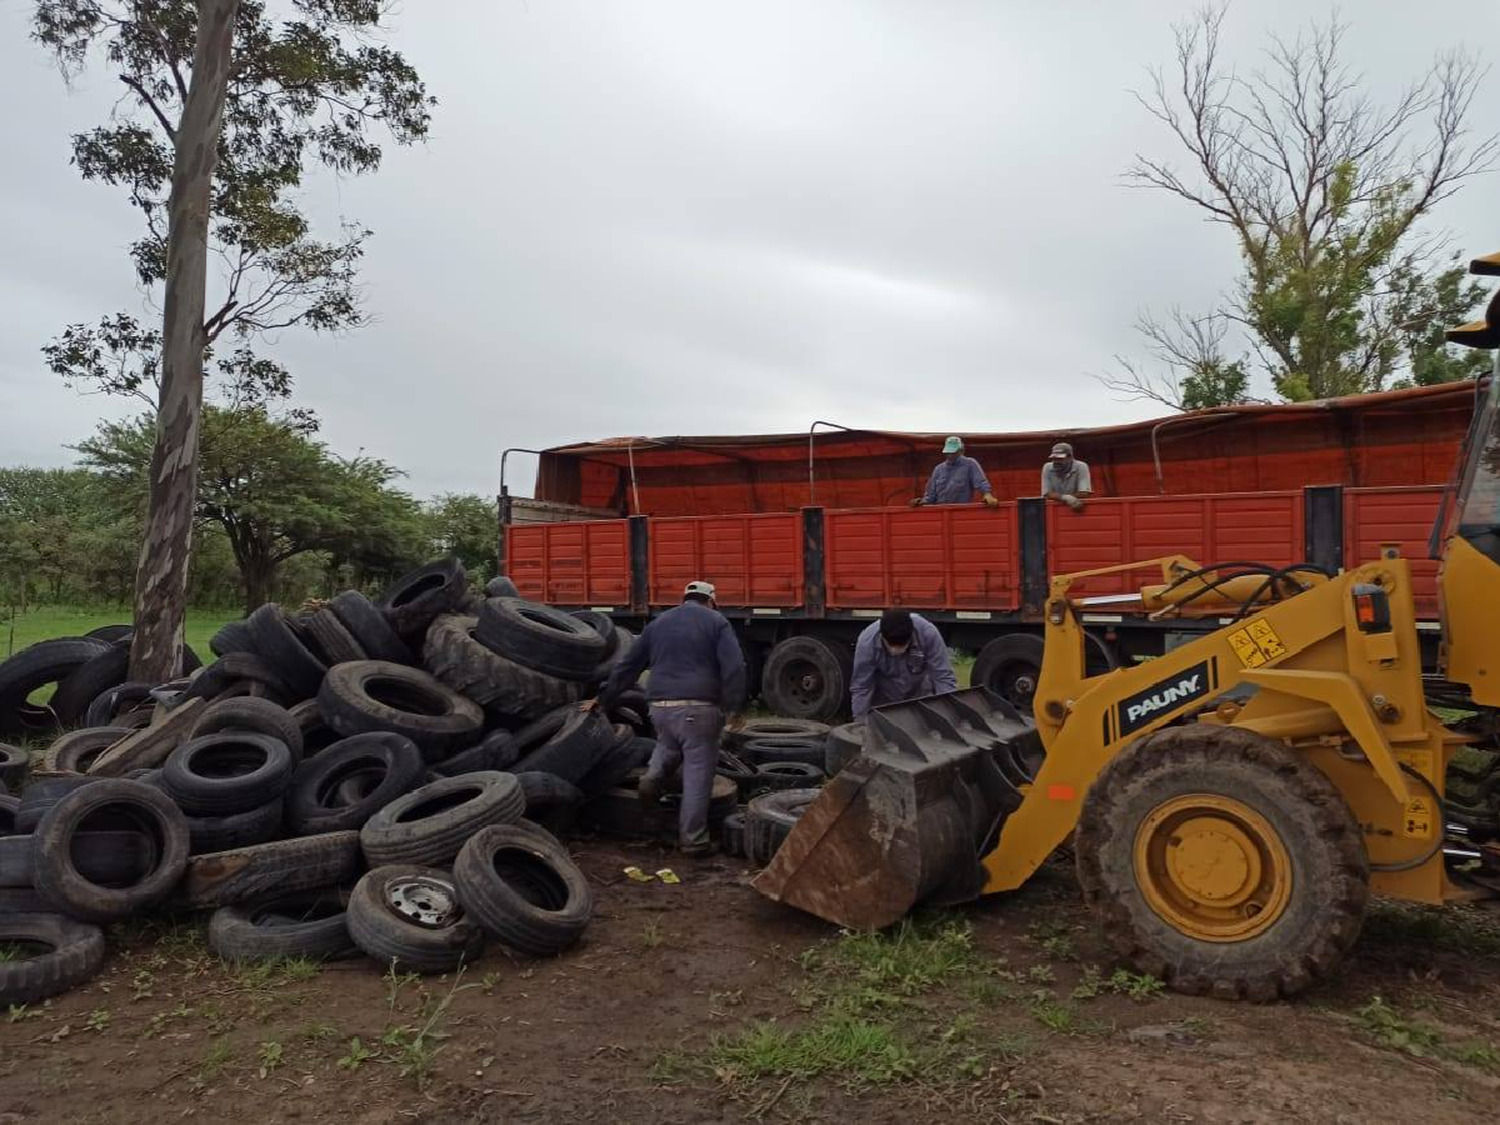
x=1408, y=437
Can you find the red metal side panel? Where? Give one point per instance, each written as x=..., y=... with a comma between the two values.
x=579, y=563
x=1246, y=527
x=1405, y=516
x=752, y=560
x=927, y=558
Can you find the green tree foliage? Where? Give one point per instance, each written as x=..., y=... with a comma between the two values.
x=276, y=493
x=309, y=88
x=1323, y=191
x=464, y=525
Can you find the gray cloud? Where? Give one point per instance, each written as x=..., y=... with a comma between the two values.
x=681, y=216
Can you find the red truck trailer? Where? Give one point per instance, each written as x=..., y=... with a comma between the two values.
x=809, y=536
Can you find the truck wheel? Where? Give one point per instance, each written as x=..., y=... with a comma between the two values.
x=1222, y=862
x=808, y=678
x=1010, y=666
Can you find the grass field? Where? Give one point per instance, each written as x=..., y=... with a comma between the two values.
x=47, y=622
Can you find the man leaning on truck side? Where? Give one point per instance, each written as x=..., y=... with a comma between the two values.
x=697, y=675
x=1065, y=478
x=955, y=479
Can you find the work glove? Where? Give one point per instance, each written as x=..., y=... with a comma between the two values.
x=1073, y=502
x=990, y=501
x=917, y=503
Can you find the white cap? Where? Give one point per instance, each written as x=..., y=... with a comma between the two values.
x=703, y=589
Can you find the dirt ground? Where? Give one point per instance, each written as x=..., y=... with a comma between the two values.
x=689, y=1003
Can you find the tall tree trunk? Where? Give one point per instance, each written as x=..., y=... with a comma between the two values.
x=258, y=574
x=162, y=571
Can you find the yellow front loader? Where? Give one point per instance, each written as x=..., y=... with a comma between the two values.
x=1232, y=804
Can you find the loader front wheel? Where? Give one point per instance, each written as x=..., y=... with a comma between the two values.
x=1222, y=862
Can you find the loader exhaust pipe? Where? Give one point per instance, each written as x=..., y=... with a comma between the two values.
x=909, y=821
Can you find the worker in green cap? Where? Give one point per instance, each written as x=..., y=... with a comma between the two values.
x=956, y=479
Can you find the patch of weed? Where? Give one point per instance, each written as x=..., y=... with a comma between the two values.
x=357, y=1055
x=414, y=1048
x=1138, y=986
x=1390, y=1028
x=270, y=1057
x=98, y=1020
x=651, y=935
x=218, y=1057
x=1062, y=1018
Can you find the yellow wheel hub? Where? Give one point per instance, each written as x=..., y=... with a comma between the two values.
x=1212, y=867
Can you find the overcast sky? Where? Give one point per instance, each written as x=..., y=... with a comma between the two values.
x=693, y=216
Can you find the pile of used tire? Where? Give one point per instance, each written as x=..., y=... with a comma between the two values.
x=386, y=777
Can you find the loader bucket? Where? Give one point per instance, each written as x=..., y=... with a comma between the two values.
x=909, y=820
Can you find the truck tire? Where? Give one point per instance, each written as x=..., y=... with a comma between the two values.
x=370, y=628
x=1011, y=666
x=523, y=889
x=236, y=830
x=812, y=751
x=775, y=777
x=14, y=762
x=314, y=802
x=1286, y=826
x=845, y=743
x=75, y=751
x=279, y=867
x=409, y=918
x=222, y=774
x=145, y=809
x=770, y=818
x=373, y=695
x=540, y=637
x=48, y=662
x=235, y=636
x=455, y=657
x=332, y=639
x=568, y=743
x=253, y=716
x=74, y=954
x=795, y=730
x=297, y=924
x=429, y=825
x=414, y=600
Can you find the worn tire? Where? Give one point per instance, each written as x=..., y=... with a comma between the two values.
x=770, y=818
x=619, y=811
x=253, y=716
x=405, y=700
x=501, y=587
x=285, y=651
x=108, y=669
x=111, y=634
x=414, y=600
x=14, y=763
x=845, y=743
x=314, y=804
x=239, y=674
x=107, y=857
x=775, y=777
x=116, y=703
x=757, y=730
x=604, y=625
x=41, y=793
x=732, y=834
x=75, y=751
x=297, y=924
x=454, y=656
x=148, y=810
x=75, y=954
x=620, y=762
x=48, y=662
x=235, y=636
x=1329, y=877
x=568, y=743
x=540, y=637
x=236, y=830
x=759, y=751
x=497, y=750
x=8, y=807
x=523, y=889
x=232, y=772
x=808, y=678
x=430, y=824
x=317, y=735
x=281, y=866
x=550, y=801
x=393, y=940
x=370, y=629
x=332, y=639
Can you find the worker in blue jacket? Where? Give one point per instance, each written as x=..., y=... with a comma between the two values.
x=902, y=656
x=956, y=479
x=697, y=679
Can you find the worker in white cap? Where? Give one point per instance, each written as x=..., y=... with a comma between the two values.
x=697, y=678
x=956, y=479
x=1065, y=478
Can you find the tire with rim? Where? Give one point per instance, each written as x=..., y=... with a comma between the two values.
x=48, y=662
x=74, y=953
x=252, y=716
x=414, y=600
x=454, y=656
x=429, y=825
x=332, y=638
x=285, y=651
x=1222, y=862
x=311, y=924
x=523, y=889
x=370, y=628
x=373, y=695
x=76, y=751
x=389, y=765
x=120, y=804
x=770, y=818
x=232, y=772
x=845, y=743
x=808, y=678
x=1011, y=666
x=279, y=867
x=409, y=917
x=540, y=637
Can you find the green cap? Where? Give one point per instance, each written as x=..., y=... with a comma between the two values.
x=953, y=445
